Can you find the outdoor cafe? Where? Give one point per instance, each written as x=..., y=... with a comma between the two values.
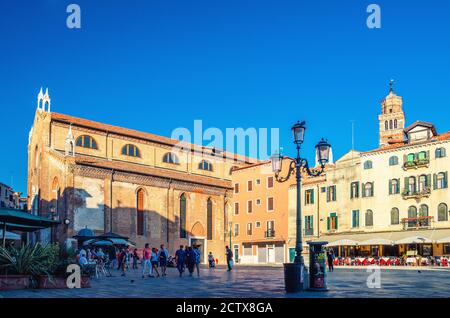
x=405, y=248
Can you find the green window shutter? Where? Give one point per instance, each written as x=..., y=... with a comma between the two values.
x=357, y=189
x=351, y=190
x=398, y=186
x=434, y=181
x=428, y=180
x=306, y=222
x=406, y=184
x=445, y=179
x=328, y=223
x=312, y=196
x=390, y=186
x=334, y=193
x=363, y=190
x=311, y=222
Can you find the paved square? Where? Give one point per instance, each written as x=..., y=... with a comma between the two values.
x=246, y=281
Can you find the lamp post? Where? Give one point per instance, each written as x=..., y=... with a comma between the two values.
x=294, y=271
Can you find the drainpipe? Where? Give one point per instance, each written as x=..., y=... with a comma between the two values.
x=111, y=202
x=318, y=211
x=168, y=212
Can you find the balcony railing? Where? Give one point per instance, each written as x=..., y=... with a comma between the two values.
x=421, y=222
x=419, y=163
x=270, y=233
x=308, y=232
x=407, y=194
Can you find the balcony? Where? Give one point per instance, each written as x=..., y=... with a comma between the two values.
x=308, y=232
x=416, y=164
x=269, y=233
x=425, y=192
x=421, y=222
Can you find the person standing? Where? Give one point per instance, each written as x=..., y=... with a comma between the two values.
x=190, y=256
x=154, y=261
x=211, y=260
x=135, y=259
x=330, y=259
x=229, y=255
x=180, y=257
x=124, y=258
x=163, y=255
x=146, y=264
x=196, y=252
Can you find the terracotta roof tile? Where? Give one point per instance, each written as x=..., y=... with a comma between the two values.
x=140, y=135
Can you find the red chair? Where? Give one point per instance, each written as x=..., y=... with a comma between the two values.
x=358, y=262
x=382, y=262
x=373, y=261
x=366, y=262
x=444, y=262
x=336, y=262
x=388, y=262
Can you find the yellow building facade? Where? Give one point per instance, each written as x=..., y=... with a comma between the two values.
x=390, y=201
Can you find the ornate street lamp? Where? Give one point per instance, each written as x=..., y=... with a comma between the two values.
x=294, y=271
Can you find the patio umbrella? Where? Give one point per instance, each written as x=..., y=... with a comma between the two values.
x=11, y=219
x=102, y=243
x=111, y=235
x=10, y=235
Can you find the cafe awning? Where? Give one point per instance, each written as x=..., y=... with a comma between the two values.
x=343, y=242
x=10, y=235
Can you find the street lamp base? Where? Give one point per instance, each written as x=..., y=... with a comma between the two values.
x=294, y=280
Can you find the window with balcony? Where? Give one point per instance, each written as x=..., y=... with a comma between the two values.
x=424, y=182
x=442, y=212
x=412, y=216
x=270, y=226
x=309, y=196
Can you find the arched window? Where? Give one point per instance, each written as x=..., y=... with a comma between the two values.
x=131, y=150
x=394, y=187
x=395, y=217
x=412, y=216
x=368, y=164
x=410, y=157
x=209, y=215
x=440, y=181
x=411, y=185
x=170, y=157
x=86, y=141
x=368, y=189
x=36, y=157
x=386, y=125
x=395, y=123
x=369, y=218
x=423, y=214
x=393, y=161
x=183, y=216
x=391, y=126
x=442, y=212
x=423, y=183
x=440, y=153
x=205, y=165
x=54, y=196
x=140, y=212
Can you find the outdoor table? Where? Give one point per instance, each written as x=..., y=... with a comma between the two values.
x=411, y=260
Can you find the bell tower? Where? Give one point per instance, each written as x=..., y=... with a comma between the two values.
x=392, y=118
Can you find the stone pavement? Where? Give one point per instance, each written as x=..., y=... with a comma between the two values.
x=254, y=281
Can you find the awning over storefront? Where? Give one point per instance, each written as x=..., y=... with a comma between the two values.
x=388, y=238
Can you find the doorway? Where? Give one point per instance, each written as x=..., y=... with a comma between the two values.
x=236, y=253
x=270, y=254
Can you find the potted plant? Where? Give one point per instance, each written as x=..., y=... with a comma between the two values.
x=19, y=265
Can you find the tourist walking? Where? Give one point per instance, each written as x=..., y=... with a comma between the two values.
x=145, y=263
x=124, y=259
x=180, y=257
x=154, y=261
x=190, y=256
x=330, y=259
x=196, y=252
x=211, y=261
x=163, y=255
x=229, y=255
x=135, y=259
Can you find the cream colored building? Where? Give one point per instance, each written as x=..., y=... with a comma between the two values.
x=393, y=200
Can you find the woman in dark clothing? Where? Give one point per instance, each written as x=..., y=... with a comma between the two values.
x=330, y=256
x=190, y=257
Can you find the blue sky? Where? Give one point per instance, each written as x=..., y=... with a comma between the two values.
x=156, y=65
